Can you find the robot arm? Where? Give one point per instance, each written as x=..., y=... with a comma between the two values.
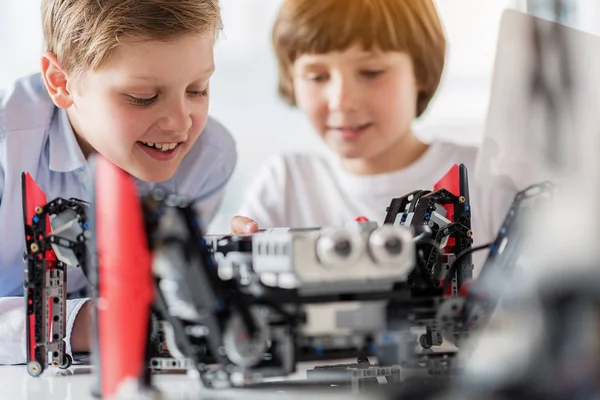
x=55, y=236
x=445, y=213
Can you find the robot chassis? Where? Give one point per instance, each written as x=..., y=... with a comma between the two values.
x=241, y=308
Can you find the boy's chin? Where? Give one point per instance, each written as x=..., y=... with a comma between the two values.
x=350, y=152
x=346, y=149
x=153, y=175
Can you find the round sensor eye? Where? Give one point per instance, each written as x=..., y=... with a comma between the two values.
x=338, y=247
x=386, y=244
x=343, y=248
x=393, y=245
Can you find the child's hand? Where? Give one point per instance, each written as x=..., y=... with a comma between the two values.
x=241, y=225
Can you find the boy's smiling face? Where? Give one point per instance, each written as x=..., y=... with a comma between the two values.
x=361, y=103
x=145, y=108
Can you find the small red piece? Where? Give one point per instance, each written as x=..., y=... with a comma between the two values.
x=464, y=289
x=449, y=289
x=361, y=219
x=450, y=182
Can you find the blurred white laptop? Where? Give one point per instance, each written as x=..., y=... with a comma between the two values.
x=528, y=139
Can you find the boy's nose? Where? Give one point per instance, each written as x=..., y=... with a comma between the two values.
x=343, y=95
x=177, y=119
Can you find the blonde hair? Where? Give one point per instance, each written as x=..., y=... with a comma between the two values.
x=83, y=34
x=321, y=26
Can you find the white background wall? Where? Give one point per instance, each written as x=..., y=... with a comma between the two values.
x=244, y=86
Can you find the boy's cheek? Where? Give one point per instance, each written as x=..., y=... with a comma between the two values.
x=314, y=108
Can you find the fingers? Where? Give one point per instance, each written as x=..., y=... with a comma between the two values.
x=241, y=225
x=81, y=333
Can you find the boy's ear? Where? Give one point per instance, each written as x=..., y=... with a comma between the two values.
x=55, y=79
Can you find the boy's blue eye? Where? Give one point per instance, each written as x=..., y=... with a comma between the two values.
x=142, y=102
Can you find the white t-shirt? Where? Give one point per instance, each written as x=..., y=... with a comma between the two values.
x=312, y=190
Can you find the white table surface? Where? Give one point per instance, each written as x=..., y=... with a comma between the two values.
x=76, y=384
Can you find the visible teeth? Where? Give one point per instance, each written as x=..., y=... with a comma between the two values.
x=162, y=147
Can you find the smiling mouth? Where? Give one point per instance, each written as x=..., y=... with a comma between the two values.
x=356, y=127
x=351, y=132
x=161, y=146
x=162, y=152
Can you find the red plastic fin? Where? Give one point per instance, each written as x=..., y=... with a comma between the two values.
x=124, y=277
x=450, y=182
x=466, y=286
x=50, y=317
x=33, y=196
x=32, y=344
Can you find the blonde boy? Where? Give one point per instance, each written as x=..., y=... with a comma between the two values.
x=128, y=79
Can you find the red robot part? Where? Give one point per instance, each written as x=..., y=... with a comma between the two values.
x=450, y=182
x=125, y=286
x=46, y=275
x=34, y=199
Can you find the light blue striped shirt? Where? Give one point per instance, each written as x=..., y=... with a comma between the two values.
x=36, y=137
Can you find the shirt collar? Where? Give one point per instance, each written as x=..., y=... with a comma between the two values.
x=65, y=153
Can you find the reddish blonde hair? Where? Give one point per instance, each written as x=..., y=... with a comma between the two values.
x=321, y=26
